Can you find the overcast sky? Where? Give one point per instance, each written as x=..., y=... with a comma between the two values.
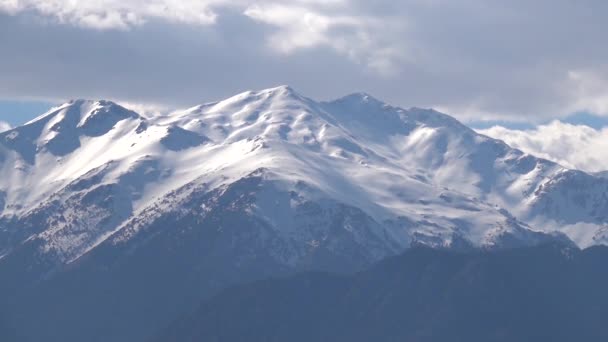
x=514, y=61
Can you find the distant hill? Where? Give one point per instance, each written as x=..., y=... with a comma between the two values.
x=548, y=293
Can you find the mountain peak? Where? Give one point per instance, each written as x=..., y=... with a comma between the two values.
x=58, y=131
x=275, y=93
x=82, y=106
x=359, y=99
x=278, y=91
x=282, y=92
x=283, y=88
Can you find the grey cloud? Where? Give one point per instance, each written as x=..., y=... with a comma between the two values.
x=515, y=60
x=159, y=63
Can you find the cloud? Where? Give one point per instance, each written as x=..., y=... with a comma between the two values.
x=114, y=14
x=4, y=126
x=574, y=146
x=590, y=89
x=299, y=24
x=476, y=59
x=299, y=27
x=145, y=109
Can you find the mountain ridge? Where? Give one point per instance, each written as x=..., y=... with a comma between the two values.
x=263, y=120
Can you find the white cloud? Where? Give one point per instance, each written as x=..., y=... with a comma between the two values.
x=145, y=109
x=574, y=146
x=300, y=27
x=4, y=126
x=590, y=89
x=114, y=14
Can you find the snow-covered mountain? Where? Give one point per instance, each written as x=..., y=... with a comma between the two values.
x=88, y=171
x=172, y=208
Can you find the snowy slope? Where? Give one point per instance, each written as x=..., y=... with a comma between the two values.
x=353, y=174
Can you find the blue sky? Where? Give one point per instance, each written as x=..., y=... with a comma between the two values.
x=581, y=118
x=19, y=112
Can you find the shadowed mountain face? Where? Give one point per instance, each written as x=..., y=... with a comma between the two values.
x=547, y=293
x=112, y=223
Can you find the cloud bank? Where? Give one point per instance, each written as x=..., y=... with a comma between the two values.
x=476, y=59
x=574, y=146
